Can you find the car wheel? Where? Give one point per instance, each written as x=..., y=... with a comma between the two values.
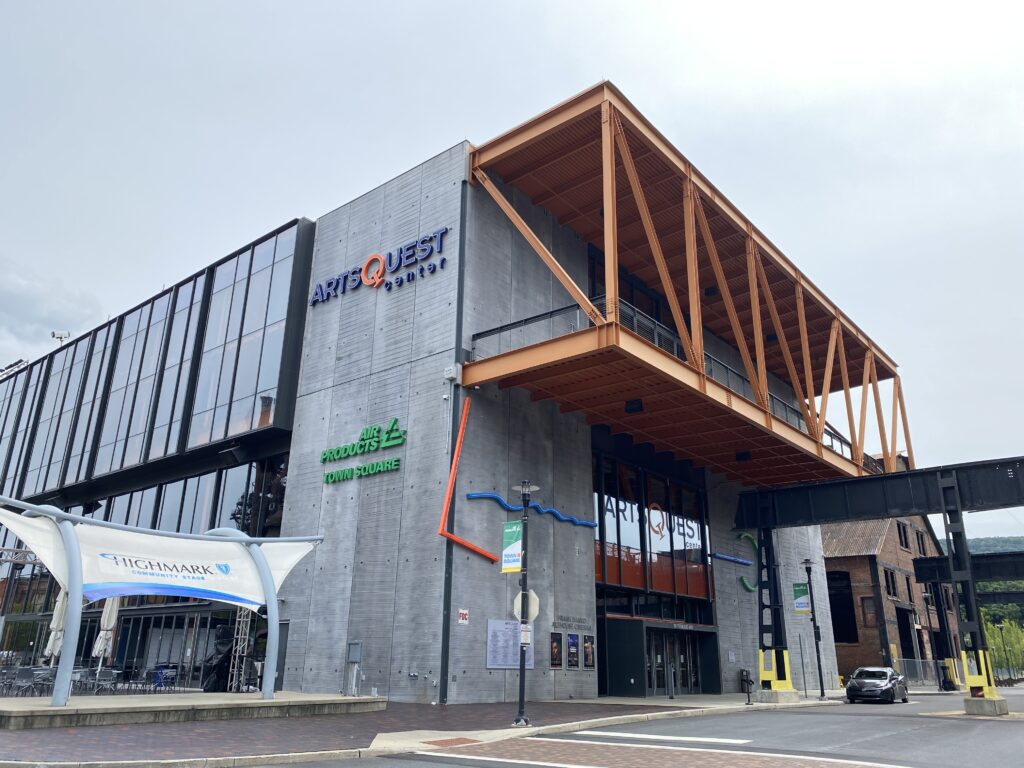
x=892, y=696
x=850, y=701
x=906, y=695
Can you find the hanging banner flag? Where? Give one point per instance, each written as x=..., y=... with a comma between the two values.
x=121, y=562
x=801, y=599
x=512, y=547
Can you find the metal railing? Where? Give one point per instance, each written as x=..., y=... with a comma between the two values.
x=566, y=320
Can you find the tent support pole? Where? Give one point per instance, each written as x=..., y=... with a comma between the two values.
x=273, y=623
x=73, y=620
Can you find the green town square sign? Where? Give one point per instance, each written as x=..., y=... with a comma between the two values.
x=371, y=439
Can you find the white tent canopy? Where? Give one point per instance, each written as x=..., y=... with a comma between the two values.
x=95, y=560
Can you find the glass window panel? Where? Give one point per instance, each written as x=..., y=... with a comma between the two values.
x=263, y=255
x=202, y=424
x=285, y=244
x=204, y=503
x=209, y=373
x=170, y=506
x=659, y=535
x=270, y=365
x=220, y=422
x=256, y=303
x=217, y=319
x=242, y=270
x=231, y=507
x=611, y=522
x=158, y=445
x=151, y=356
x=235, y=314
x=277, y=301
x=628, y=507
x=224, y=275
x=246, y=373
x=266, y=403
x=131, y=323
x=226, y=371
x=240, y=419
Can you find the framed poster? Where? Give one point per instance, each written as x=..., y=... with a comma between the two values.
x=556, y=650
x=588, y=651
x=573, y=655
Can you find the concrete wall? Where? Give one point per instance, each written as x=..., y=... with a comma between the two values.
x=369, y=356
x=511, y=438
x=736, y=608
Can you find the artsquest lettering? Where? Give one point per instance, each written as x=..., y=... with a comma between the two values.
x=390, y=271
x=372, y=438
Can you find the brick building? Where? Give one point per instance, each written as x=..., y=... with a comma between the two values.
x=880, y=614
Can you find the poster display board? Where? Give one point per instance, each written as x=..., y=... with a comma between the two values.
x=503, y=645
x=556, y=650
x=589, y=652
x=572, y=657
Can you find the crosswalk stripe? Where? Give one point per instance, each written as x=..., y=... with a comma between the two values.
x=838, y=761
x=656, y=737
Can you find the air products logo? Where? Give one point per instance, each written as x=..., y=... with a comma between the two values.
x=409, y=262
x=371, y=439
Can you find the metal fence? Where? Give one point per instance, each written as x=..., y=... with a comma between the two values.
x=927, y=673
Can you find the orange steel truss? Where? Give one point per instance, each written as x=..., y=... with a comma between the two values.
x=604, y=171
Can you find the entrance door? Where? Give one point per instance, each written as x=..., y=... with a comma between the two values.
x=657, y=684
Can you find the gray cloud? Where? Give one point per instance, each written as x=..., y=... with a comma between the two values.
x=33, y=304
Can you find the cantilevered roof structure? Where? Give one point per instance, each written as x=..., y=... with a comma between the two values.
x=603, y=170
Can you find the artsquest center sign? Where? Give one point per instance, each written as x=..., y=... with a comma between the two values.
x=377, y=437
x=409, y=262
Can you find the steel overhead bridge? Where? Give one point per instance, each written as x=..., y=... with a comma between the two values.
x=948, y=491
x=980, y=486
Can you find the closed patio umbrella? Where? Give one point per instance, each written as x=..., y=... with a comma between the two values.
x=56, y=638
x=104, y=644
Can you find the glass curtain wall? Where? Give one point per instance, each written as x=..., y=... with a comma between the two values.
x=651, y=533
x=125, y=392
x=241, y=355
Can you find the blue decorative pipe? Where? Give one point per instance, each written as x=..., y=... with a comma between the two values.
x=533, y=505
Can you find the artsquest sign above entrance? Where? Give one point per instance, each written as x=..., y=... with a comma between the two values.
x=410, y=262
x=371, y=439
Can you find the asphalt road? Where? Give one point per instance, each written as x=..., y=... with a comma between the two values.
x=850, y=735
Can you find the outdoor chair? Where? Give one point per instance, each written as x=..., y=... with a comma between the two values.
x=106, y=680
x=6, y=680
x=24, y=682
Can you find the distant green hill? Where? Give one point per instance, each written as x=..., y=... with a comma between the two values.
x=985, y=544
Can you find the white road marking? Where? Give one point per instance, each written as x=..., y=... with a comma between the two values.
x=505, y=760
x=723, y=751
x=655, y=737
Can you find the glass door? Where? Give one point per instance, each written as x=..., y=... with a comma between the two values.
x=656, y=677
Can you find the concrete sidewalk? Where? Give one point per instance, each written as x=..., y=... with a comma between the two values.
x=399, y=728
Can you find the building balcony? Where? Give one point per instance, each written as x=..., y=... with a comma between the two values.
x=522, y=354
x=597, y=167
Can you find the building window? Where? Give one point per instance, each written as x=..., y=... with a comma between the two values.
x=890, y=584
x=910, y=589
x=867, y=612
x=840, y=597
x=921, y=543
x=949, y=597
x=904, y=534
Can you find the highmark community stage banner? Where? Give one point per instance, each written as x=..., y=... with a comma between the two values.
x=121, y=562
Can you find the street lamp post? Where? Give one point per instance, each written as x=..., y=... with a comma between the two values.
x=817, y=629
x=524, y=601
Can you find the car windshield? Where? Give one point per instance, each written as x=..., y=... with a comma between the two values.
x=870, y=674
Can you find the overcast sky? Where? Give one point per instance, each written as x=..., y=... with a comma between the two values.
x=881, y=146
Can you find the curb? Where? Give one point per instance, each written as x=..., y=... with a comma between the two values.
x=242, y=761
